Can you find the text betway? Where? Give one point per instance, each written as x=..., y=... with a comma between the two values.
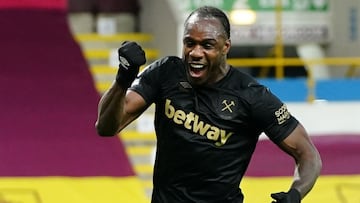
x=191, y=122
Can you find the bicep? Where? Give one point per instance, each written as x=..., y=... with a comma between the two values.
x=134, y=106
x=298, y=144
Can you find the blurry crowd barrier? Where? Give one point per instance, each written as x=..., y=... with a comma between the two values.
x=350, y=76
x=103, y=16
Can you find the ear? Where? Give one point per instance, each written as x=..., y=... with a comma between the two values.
x=226, y=47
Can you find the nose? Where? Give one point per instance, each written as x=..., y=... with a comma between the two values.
x=197, y=52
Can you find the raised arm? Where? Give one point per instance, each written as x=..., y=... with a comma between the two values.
x=119, y=106
x=308, y=165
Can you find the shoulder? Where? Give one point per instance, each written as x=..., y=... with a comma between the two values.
x=169, y=60
x=166, y=61
x=247, y=86
x=152, y=79
x=242, y=78
x=162, y=64
x=165, y=69
x=243, y=81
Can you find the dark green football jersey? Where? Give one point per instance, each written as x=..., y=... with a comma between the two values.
x=207, y=135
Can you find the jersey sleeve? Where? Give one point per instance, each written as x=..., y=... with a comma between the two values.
x=270, y=114
x=150, y=81
x=147, y=82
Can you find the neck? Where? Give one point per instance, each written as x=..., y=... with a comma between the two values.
x=223, y=70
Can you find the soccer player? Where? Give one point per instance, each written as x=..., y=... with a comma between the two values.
x=208, y=117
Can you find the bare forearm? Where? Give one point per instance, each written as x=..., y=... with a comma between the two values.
x=306, y=174
x=114, y=110
x=110, y=110
x=307, y=159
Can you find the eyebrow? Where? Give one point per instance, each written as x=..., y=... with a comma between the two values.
x=203, y=40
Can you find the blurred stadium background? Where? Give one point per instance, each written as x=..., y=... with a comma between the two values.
x=59, y=56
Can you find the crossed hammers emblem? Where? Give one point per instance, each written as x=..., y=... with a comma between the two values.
x=228, y=106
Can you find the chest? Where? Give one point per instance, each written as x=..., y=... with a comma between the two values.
x=221, y=107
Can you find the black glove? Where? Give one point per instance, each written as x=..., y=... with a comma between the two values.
x=292, y=196
x=131, y=57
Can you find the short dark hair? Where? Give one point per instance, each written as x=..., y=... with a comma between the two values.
x=212, y=12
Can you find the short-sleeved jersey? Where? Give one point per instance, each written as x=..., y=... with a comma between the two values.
x=207, y=135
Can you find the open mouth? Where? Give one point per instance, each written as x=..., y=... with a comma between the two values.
x=196, y=70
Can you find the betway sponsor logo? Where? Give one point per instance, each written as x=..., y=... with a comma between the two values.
x=191, y=122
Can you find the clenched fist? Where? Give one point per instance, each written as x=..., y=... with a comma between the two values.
x=131, y=57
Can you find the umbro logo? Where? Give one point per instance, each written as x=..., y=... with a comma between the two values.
x=184, y=86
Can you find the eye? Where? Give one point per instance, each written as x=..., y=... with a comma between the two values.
x=188, y=43
x=208, y=45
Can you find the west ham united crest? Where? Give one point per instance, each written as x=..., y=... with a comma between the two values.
x=227, y=107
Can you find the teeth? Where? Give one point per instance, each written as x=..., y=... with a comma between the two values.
x=197, y=66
